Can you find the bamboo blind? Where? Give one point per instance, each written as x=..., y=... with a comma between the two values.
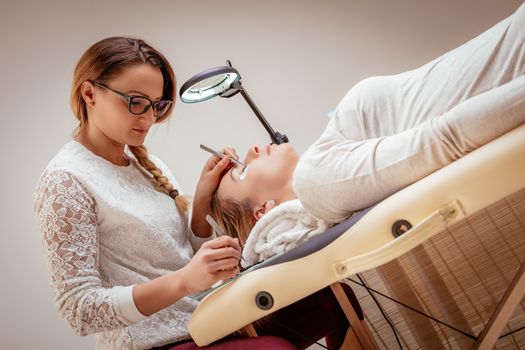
x=458, y=277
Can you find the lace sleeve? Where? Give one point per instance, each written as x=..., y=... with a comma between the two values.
x=67, y=217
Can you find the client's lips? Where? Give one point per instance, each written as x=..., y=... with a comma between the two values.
x=141, y=131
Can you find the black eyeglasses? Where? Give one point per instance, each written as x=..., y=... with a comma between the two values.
x=140, y=104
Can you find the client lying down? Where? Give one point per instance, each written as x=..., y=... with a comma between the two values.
x=387, y=133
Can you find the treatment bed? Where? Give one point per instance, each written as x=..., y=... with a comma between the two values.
x=438, y=265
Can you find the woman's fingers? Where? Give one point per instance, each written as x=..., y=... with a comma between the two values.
x=230, y=151
x=215, y=167
x=223, y=265
x=223, y=241
x=210, y=177
x=211, y=163
x=227, y=274
x=221, y=253
x=221, y=166
x=216, y=260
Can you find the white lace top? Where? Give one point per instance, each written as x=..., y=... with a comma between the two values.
x=105, y=228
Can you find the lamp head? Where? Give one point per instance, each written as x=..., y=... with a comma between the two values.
x=224, y=81
x=210, y=83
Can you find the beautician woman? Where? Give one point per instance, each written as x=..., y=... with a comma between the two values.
x=117, y=237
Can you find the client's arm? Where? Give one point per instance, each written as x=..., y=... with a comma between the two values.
x=337, y=176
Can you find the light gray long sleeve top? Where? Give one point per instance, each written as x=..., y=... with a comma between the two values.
x=390, y=131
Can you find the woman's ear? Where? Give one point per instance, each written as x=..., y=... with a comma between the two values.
x=87, y=89
x=261, y=209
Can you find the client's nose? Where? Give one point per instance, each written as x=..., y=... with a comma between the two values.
x=253, y=153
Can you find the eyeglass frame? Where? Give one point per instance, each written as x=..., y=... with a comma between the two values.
x=129, y=98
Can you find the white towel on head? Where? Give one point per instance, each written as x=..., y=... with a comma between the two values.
x=281, y=229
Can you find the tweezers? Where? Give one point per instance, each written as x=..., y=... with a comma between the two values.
x=221, y=155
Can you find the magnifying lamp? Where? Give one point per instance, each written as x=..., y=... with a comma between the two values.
x=223, y=81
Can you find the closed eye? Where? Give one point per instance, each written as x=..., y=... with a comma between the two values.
x=236, y=176
x=244, y=173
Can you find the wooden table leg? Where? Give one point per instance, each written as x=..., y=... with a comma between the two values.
x=499, y=319
x=363, y=335
x=249, y=330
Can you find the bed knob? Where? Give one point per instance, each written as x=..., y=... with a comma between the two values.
x=264, y=300
x=400, y=226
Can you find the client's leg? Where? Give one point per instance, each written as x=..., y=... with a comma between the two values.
x=382, y=106
x=355, y=164
x=339, y=176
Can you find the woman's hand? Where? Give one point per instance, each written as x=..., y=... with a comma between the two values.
x=211, y=175
x=216, y=260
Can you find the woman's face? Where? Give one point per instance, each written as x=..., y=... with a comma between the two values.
x=110, y=113
x=267, y=176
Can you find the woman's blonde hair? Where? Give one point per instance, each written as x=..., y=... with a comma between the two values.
x=103, y=61
x=235, y=218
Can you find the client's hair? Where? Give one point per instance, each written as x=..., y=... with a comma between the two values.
x=235, y=218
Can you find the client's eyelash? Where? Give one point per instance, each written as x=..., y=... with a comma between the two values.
x=242, y=176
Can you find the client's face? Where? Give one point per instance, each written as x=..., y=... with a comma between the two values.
x=267, y=176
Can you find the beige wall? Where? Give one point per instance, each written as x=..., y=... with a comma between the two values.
x=297, y=59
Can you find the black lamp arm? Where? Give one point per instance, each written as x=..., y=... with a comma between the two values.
x=276, y=136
